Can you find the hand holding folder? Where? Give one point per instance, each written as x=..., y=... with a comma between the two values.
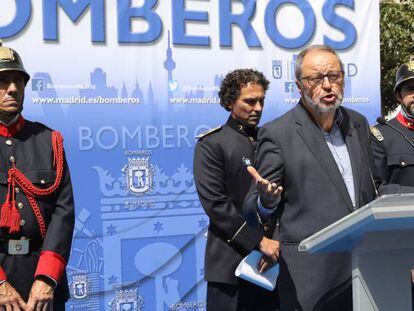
x=248, y=271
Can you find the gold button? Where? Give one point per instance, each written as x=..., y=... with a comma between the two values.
x=42, y=181
x=12, y=159
x=20, y=205
x=251, y=138
x=265, y=228
x=22, y=222
x=17, y=190
x=9, y=142
x=403, y=163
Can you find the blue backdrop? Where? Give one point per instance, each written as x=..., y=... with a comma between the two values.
x=130, y=84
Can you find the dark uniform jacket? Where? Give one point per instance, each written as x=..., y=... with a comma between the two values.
x=393, y=155
x=31, y=151
x=222, y=182
x=293, y=153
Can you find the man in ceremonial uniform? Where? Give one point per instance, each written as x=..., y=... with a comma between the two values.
x=392, y=143
x=222, y=183
x=37, y=212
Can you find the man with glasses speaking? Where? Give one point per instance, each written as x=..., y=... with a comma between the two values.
x=312, y=168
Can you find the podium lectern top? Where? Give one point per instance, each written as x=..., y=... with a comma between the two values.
x=388, y=212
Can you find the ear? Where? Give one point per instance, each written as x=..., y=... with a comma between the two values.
x=398, y=96
x=299, y=86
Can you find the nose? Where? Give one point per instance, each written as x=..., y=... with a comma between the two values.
x=258, y=107
x=12, y=88
x=327, y=85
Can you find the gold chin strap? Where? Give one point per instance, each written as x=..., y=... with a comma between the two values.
x=410, y=63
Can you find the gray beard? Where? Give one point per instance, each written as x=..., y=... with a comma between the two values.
x=320, y=108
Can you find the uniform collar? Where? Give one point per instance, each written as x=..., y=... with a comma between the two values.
x=12, y=128
x=242, y=129
x=405, y=120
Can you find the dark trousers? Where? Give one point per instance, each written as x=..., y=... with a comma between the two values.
x=242, y=297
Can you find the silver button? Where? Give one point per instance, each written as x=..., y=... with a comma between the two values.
x=17, y=190
x=403, y=163
x=42, y=181
x=9, y=142
x=22, y=222
x=19, y=247
x=12, y=159
x=20, y=205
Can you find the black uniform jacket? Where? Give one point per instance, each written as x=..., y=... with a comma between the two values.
x=32, y=151
x=393, y=155
x=222, y=182
x=292, y=152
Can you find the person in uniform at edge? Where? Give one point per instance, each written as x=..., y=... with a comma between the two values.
x=37, y=211
x=313, y=166
x=222, y=183
x=393, y=141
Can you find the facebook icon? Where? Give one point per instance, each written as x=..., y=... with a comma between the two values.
x=37, y=85
x=289, y=87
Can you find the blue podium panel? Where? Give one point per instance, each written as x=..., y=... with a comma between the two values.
x=380, y=236
x=386, y=213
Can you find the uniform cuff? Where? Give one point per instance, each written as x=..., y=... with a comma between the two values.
x=246, y=238
x=3, y=276
x=51, y=265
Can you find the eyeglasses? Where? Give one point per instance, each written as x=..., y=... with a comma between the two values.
x=317, y=79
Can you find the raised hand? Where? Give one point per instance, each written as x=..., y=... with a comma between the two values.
x=268, y=191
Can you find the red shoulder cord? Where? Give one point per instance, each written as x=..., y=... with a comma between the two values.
x=10, y=216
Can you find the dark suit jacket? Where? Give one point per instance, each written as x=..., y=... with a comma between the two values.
x=293, y=153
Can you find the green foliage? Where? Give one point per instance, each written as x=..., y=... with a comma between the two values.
x=396, y=43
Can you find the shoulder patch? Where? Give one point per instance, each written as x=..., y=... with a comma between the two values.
x=199, y=136
x=376, y=133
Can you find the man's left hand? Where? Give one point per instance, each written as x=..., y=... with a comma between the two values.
x=41, y=296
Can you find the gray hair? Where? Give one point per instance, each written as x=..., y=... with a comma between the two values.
x=317, y=47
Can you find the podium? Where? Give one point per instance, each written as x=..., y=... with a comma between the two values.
x=380, y=237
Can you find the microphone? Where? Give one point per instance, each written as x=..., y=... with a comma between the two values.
x=382, y=121
x=373, y=182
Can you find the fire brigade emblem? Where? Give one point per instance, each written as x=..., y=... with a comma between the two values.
x=80, y=287
x=140, y=174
